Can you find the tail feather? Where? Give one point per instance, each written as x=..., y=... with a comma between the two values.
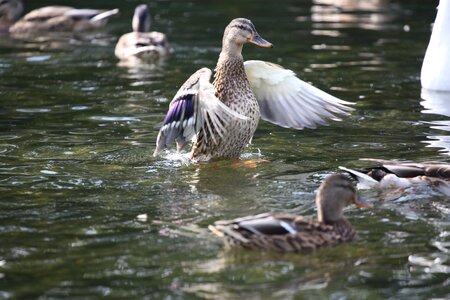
x=364, y=180
x=105, y=15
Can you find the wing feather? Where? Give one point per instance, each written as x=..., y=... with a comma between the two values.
x=287, y=101
x=195, y=108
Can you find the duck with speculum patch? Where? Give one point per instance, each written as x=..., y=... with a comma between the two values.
x=284, y=232
x=221, y=118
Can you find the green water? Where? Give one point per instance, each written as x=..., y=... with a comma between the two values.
x=77, y=132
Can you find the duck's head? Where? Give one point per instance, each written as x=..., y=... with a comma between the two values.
x=335, y=193
x=241, y=31
x=11, y=10
x=141, y=18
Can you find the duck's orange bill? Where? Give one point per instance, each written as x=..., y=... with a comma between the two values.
x=361, y=203
x=257, y=40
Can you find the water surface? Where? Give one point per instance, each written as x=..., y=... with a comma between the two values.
x=77, y=133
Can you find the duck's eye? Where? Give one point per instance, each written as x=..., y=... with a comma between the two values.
x=243, y=27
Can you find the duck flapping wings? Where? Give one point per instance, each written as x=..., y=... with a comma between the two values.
x=283, y=98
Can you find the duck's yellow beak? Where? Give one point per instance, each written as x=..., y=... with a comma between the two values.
x=361, y=203
x=259, y=41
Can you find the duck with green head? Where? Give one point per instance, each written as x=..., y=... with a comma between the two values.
x=221, y=118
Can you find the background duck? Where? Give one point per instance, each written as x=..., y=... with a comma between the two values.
x=61, y=18
x=401, y=176
x=142, y=43
x=252, y=90
x=10, y=12
x=435, y=74
x=284, y=232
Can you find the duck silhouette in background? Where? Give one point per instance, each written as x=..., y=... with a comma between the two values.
x=142, y=43
x=10, y=12
x=51, y=18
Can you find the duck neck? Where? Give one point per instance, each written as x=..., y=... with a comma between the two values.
x=14, y=13
x=141, y=23
x=442, y=19
x=230, y=73
x=329, y=212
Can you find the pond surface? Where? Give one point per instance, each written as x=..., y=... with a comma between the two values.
x=78, y=129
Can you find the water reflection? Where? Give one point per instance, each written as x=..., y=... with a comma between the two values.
x=328, y=16
x=76, y=165
x=60, y=40
x=141, y=71
x=438, y=103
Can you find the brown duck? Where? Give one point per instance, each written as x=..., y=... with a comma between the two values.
x=10, y=12
x=53, y=18
x=142, y=42
x=240, y=95
x=284, y=232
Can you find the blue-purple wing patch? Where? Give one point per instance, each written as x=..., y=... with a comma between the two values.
x=180, y=122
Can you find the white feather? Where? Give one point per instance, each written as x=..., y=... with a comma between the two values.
x=287, y=101
x=365, y=181
x=104, y=15
x=435, y=74
x=288, y=227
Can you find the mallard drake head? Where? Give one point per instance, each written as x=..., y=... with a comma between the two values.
x=241, y=31
x=11, y=10
x=141, y=19
x=335, y=193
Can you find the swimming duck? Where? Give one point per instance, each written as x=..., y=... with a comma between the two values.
x=10, y=12
x=61, y=18
x=141, y=42
x=401, y=176
x=435, y=74
x=221, y=118
x=285, y=232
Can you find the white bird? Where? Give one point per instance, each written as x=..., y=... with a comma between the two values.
x=435, y=74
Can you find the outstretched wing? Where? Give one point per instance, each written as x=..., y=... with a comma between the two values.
x=194, y=108
x=287, y=101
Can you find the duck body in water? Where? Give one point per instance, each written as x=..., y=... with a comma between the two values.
x=221, y=118
x=283, y=232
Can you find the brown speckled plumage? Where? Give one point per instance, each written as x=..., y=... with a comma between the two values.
x=232, y=88
x=310, y=236
x=228, y=110
x=284, y=232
